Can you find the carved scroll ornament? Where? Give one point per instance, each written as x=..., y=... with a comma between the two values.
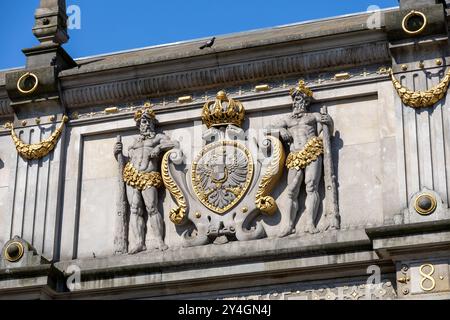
x=178, y=214
x=38, y=150
x=422, y=99
x=264, y=201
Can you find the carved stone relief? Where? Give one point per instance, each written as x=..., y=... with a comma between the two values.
x=308, y=135
x=382, y=291
x=223, y=194
x=139, y=180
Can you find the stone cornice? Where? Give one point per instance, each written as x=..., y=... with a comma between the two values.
x=278, y=53
x=107, y=91
x=5, y=108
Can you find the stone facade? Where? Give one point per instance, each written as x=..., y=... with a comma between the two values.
x=68, y=216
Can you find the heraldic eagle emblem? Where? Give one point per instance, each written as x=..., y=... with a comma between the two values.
x=225, y=188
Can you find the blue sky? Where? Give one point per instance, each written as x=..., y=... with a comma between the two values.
x=115, y=25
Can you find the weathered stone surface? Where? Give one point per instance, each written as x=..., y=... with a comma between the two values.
x=385, y=154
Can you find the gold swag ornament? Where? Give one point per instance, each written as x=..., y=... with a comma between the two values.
x=421, y=99
x=303, y=158
x=38, y=150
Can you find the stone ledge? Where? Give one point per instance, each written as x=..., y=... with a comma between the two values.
x=232, y=253
x=404, y=241
x=150, y=82
x=25, y=271
x=402, y=229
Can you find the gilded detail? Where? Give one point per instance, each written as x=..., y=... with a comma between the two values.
x=422, y=99
x=141, y=180
x=221, y=175
x=310, y=153
x=38, y=150
x=223, y=111
x=302, y=88
x=178, y=214
x=264, y=201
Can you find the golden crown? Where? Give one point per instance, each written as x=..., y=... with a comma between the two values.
x=146, y=110
x=301, y=88
x=223, y=111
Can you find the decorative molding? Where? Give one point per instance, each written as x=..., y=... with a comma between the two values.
x=221, y=75
x=383, y=291
x=316, y=81
x=79, y=91
x=5, y=108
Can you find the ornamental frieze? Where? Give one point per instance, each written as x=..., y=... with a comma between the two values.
x=317, y=80
x=225, y=189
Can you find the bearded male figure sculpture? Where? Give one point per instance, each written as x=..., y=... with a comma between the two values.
x=303, y=131
x=141, y=175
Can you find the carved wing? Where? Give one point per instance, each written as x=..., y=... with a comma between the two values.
x=237, y=170
x=204, y=171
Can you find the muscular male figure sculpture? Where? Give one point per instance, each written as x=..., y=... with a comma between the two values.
x=142, y=177
x=301, y=131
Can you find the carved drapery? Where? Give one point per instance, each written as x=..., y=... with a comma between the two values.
x=263, y=200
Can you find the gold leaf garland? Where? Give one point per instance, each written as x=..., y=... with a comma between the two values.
x=422, y=99
x=141, y=180
x=303, y=158
x=38, y=150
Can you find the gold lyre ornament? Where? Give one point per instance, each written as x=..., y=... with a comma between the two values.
x=421, y=99
x=223, y=111
x=38, y=150
x=301, y=88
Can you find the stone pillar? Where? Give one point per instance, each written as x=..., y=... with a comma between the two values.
x=419, y=244
x=51, y=22
x=35, y=198
x=420, y=58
